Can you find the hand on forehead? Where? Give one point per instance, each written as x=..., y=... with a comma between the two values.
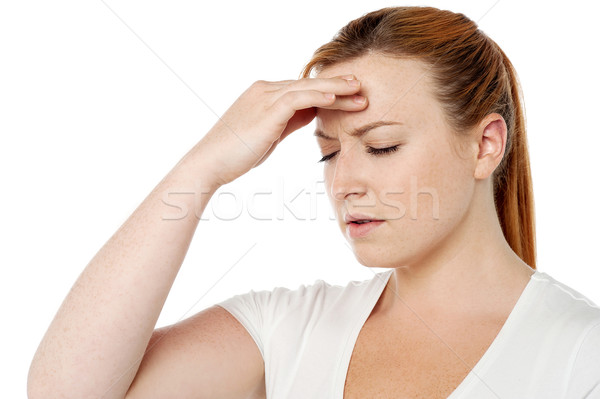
x=396, y=89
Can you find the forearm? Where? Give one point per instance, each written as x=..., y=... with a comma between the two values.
x=98, y=336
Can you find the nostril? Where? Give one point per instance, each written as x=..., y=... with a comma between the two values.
x=339, y=195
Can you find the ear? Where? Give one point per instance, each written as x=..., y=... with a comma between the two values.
x=491, y=135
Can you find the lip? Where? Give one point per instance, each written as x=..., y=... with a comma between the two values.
x=361, y=230
x=354, y=217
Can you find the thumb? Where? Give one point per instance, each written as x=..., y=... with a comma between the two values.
x=300, y=119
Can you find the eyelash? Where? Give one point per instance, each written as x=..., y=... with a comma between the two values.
x=370, y=150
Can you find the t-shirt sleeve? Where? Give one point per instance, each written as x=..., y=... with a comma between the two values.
x=585, y=375
x=261, y=312
x=248, y=309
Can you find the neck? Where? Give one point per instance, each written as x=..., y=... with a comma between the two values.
x=470, y=272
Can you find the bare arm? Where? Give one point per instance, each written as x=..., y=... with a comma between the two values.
x=98, y=336
x=95, y=345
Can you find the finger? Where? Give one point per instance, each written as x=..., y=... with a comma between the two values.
x=348, y=103
x=300, y=119
x=336, y=85
x=286, y=105
x=287, y=82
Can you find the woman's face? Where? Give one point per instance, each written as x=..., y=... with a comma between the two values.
x=421, y=191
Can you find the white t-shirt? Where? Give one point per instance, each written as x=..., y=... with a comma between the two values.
x=549, y=347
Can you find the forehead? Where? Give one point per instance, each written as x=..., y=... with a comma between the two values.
x=396, y=89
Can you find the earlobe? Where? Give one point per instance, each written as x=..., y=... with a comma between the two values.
x=492, y=145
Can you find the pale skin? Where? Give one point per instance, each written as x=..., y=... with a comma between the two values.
x=455, y=265
x=455, y=278
x=103, y=342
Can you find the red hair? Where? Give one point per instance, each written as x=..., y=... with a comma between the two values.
x=473, y=78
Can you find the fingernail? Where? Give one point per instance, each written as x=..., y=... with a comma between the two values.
x=348, y=77
x=359, y=99
x=353, y=83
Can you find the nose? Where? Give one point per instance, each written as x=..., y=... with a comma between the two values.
x=349, y=175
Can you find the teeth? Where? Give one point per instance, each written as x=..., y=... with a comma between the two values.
x=362, y=221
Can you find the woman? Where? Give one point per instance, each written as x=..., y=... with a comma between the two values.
x=420, y=124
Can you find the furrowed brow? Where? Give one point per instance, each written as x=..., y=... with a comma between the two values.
x=358, y=132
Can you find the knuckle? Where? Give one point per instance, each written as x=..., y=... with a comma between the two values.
x=259, y=84
x=298, y=83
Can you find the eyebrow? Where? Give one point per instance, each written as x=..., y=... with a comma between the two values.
x=359, y=132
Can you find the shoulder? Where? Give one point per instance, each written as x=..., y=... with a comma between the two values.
x=288, y=311
x=318, y=294
x=307, y=301
x=570, y=322
x=565, y=302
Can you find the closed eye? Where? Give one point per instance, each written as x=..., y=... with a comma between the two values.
x=370, y=150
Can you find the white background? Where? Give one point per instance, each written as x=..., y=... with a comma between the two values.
x=97, y=105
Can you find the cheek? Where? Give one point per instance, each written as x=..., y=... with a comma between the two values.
x=328, y=174
x=443, y=191
x=426, y=188
x=327, y=179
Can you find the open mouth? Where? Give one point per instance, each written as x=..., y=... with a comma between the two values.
x=362, y=228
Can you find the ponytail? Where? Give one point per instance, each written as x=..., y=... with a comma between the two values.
x=473, y=78
x=513, y=187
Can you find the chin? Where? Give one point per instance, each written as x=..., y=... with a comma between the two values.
x=375, y=257
x=391, y=252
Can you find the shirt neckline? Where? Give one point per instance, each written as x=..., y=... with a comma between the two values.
x=374, y=292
